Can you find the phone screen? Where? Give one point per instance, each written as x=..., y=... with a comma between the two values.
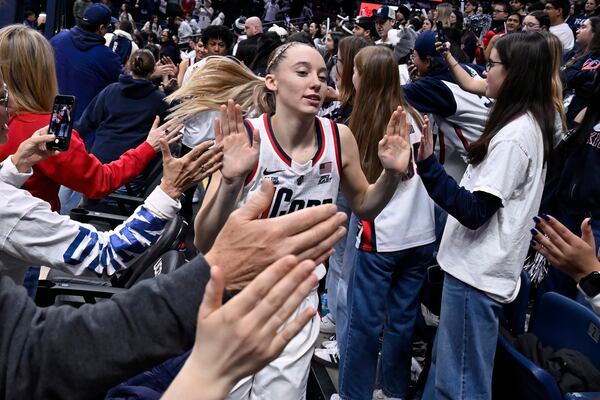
x=61, y=122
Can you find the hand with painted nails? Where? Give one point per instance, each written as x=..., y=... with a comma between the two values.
x=575, y=256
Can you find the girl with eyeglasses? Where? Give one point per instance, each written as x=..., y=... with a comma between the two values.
x=536, y=21
x=487, y=234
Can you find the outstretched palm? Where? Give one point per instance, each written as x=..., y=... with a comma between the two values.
x=239, y=154
x=394, y=149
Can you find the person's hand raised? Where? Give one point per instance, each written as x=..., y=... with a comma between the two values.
x=240, y=154
x=575, y=256
x=426, y=146
x=168, y=131
x=179, y=174
x=394, y=149
x=241, y=337
x=247, y=245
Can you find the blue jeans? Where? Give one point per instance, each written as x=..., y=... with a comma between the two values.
x=341, y=309
x=465, y=344
x=32, y=277
x=336, y=262
x=382, y=293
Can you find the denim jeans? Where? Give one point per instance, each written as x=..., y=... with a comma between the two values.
x=341, y=308
x=32, y=277
x=336, y=261
x=465, y=344
x=382, y=293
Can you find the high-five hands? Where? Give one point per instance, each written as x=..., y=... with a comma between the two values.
x=426, y=146
x=239, y=338
x=394, y=149
x=240, y=154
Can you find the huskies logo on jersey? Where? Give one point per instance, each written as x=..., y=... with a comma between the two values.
x=283, y=203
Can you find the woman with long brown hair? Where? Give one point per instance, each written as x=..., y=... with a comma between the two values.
x=486, y=237
x=393, y=250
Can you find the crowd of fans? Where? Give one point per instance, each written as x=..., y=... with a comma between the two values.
x=458, y=143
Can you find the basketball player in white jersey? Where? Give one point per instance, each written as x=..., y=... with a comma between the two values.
x=307, y=159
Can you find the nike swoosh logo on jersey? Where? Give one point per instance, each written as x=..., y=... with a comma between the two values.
x=267, y=172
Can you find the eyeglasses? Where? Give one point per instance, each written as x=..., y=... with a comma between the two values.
x=4, y=98
x=490, y=64
x=531, y=25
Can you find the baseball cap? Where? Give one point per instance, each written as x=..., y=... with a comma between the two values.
x=239, y=26
x=97, y=14
x=425, y=45
x=384, y=12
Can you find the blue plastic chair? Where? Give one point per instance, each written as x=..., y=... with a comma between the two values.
x=560, y=323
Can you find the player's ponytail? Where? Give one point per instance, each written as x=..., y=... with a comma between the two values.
x=215, y=82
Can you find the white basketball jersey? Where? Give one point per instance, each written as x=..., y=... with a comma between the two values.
x=297, y=186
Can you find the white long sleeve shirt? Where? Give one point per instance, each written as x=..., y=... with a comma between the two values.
x=32, y=234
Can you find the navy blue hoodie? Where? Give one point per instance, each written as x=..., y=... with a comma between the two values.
x=84, y=66
x=121, y=116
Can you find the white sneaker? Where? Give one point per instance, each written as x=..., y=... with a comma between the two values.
x=327, y=357
x=379, y=395
x=335, y=396
x=327, y=325
x=329, y=344
x=330, y=339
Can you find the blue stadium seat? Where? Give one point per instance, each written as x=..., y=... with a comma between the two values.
x=560, y=323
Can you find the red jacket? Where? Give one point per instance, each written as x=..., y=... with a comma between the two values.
x=74, y=168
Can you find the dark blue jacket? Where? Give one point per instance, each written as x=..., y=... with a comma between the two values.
x=430, y=95
x=579, y=184
x=121, y=116
x=84, y=66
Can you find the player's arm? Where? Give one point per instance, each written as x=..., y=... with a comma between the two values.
x=220, y=200
x=240, y=156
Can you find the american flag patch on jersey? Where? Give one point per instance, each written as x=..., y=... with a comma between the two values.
x=325, y=168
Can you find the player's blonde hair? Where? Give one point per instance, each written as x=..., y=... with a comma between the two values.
x=224, y=78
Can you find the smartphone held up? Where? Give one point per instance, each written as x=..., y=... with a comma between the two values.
x=61, y=122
